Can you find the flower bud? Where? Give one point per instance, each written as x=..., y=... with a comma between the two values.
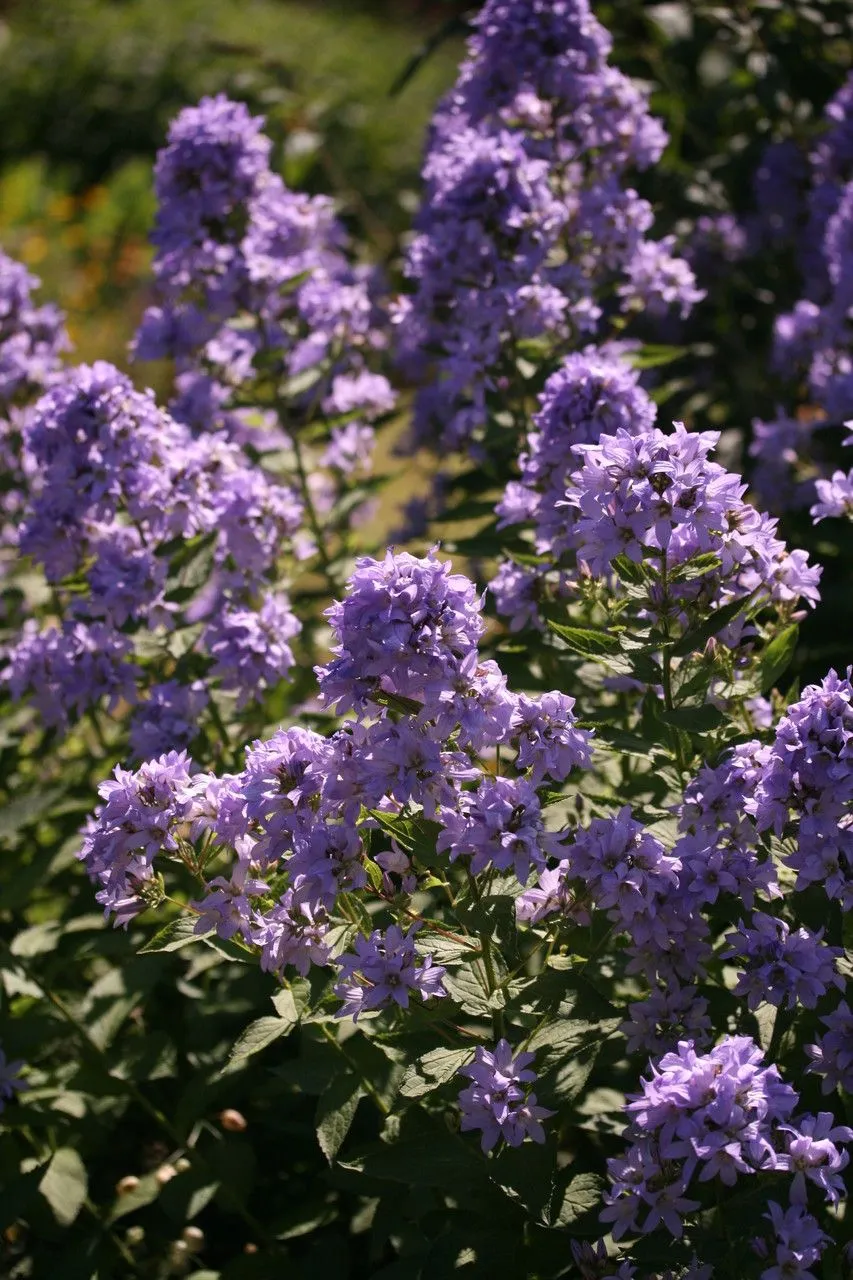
x=193, y=1238
x=232, y=1121
x=134, y=1236
x=127, y=1184
x=250, y=1247
x=182, y=1164
x=165, y=1174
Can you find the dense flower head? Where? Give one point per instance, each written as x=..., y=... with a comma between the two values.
x=293, y=932
x=784, y=966
x=808, y=776
x=32, y=338
x=140, y=818
x=715, y=1115
x=404, y=622
x=498, y=1102
x=65, y=670
x=832, y=1055
x=549, y=743
x=167, y=719
x=500, y=825
x=250, y=648
x=528, y=221
x=664, y=1017
x=386, y=969
x=593, y=393
x=663, y=494
x=797, y=1244
x=279, y=790
x=624, y=869
x=252, y=277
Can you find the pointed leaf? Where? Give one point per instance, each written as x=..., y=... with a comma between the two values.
x=65, y=1185
x=432, y=1070
x=586, y=641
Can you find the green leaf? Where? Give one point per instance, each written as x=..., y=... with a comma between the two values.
x=292, y=1000
x=145, y=1193
x=777, y=657
x=653, y=354
x=65, y=1185
x=468, y=989
x=581, y=1194
x=336, y=1110
x=693, y=719
x=586, y=641
x=696, y=639
x=433, y=1070
x=629, y=571
x=258, y=1034
x=27, y=810
x=176, y=934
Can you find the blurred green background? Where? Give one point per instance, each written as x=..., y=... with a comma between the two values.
x=87, y=89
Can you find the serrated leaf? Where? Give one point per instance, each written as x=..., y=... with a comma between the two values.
x=336, y=1110
x=468, y=989
x=629, y=571
x=292, y=1000
x=777, y=657
x=65, y=1185
x=258, y=1034
x=433, y=1070
x=573, y=1200
x=176, y=934
x=586, y=641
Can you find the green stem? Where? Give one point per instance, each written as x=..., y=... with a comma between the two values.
x=368, y=1084
x=667, y=672
x=488, y=962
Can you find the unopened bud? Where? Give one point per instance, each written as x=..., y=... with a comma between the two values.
x=233, y=1121
x=249, y=1247
x=125, y=1185
x=193, y=1238
x=165, y=1174
x=182, y=1164
x=134, y=1236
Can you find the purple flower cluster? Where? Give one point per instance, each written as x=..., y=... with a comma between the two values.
x=32, y=338
x=498, y=1102
x=114, y=480
x=527, y=219
x=142, y=816
x=253, y=279
x=832, y=1055
x=720, y=1115
x=815, y=340
x=499, y=825
x=798, y=1243
x=782, y=966
x=806, y=787
x=599, y=481
x=386, y=969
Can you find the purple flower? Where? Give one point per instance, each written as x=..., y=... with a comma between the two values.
x=67, y=672
x=832, y=1056
x=404, y=622
x=384, y=969
x=31, y=338
x=292, y=932
x=249, y=647
x=140, y=818
x=498, y=1102
x=782, y=966
x=813, y=1155
x=168, y=718
x=549, y=744
x=715, y=1115
x=665, y=1017
x=227, y=905
x=797, y=1245
x=498, y=825
x=10, y=1079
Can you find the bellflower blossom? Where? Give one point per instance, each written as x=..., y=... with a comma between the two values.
x=271, y=270
x=808, y=777
x=250, y=647
x=141, y=817
x=499, y=825
x=498, y=1102
x=10, y=1079
x=832, y=1055
x=783, y=966
x=798, y=1243
x=405, y=621
x=527, y=163
x=386, y=969
x=715, y=1115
